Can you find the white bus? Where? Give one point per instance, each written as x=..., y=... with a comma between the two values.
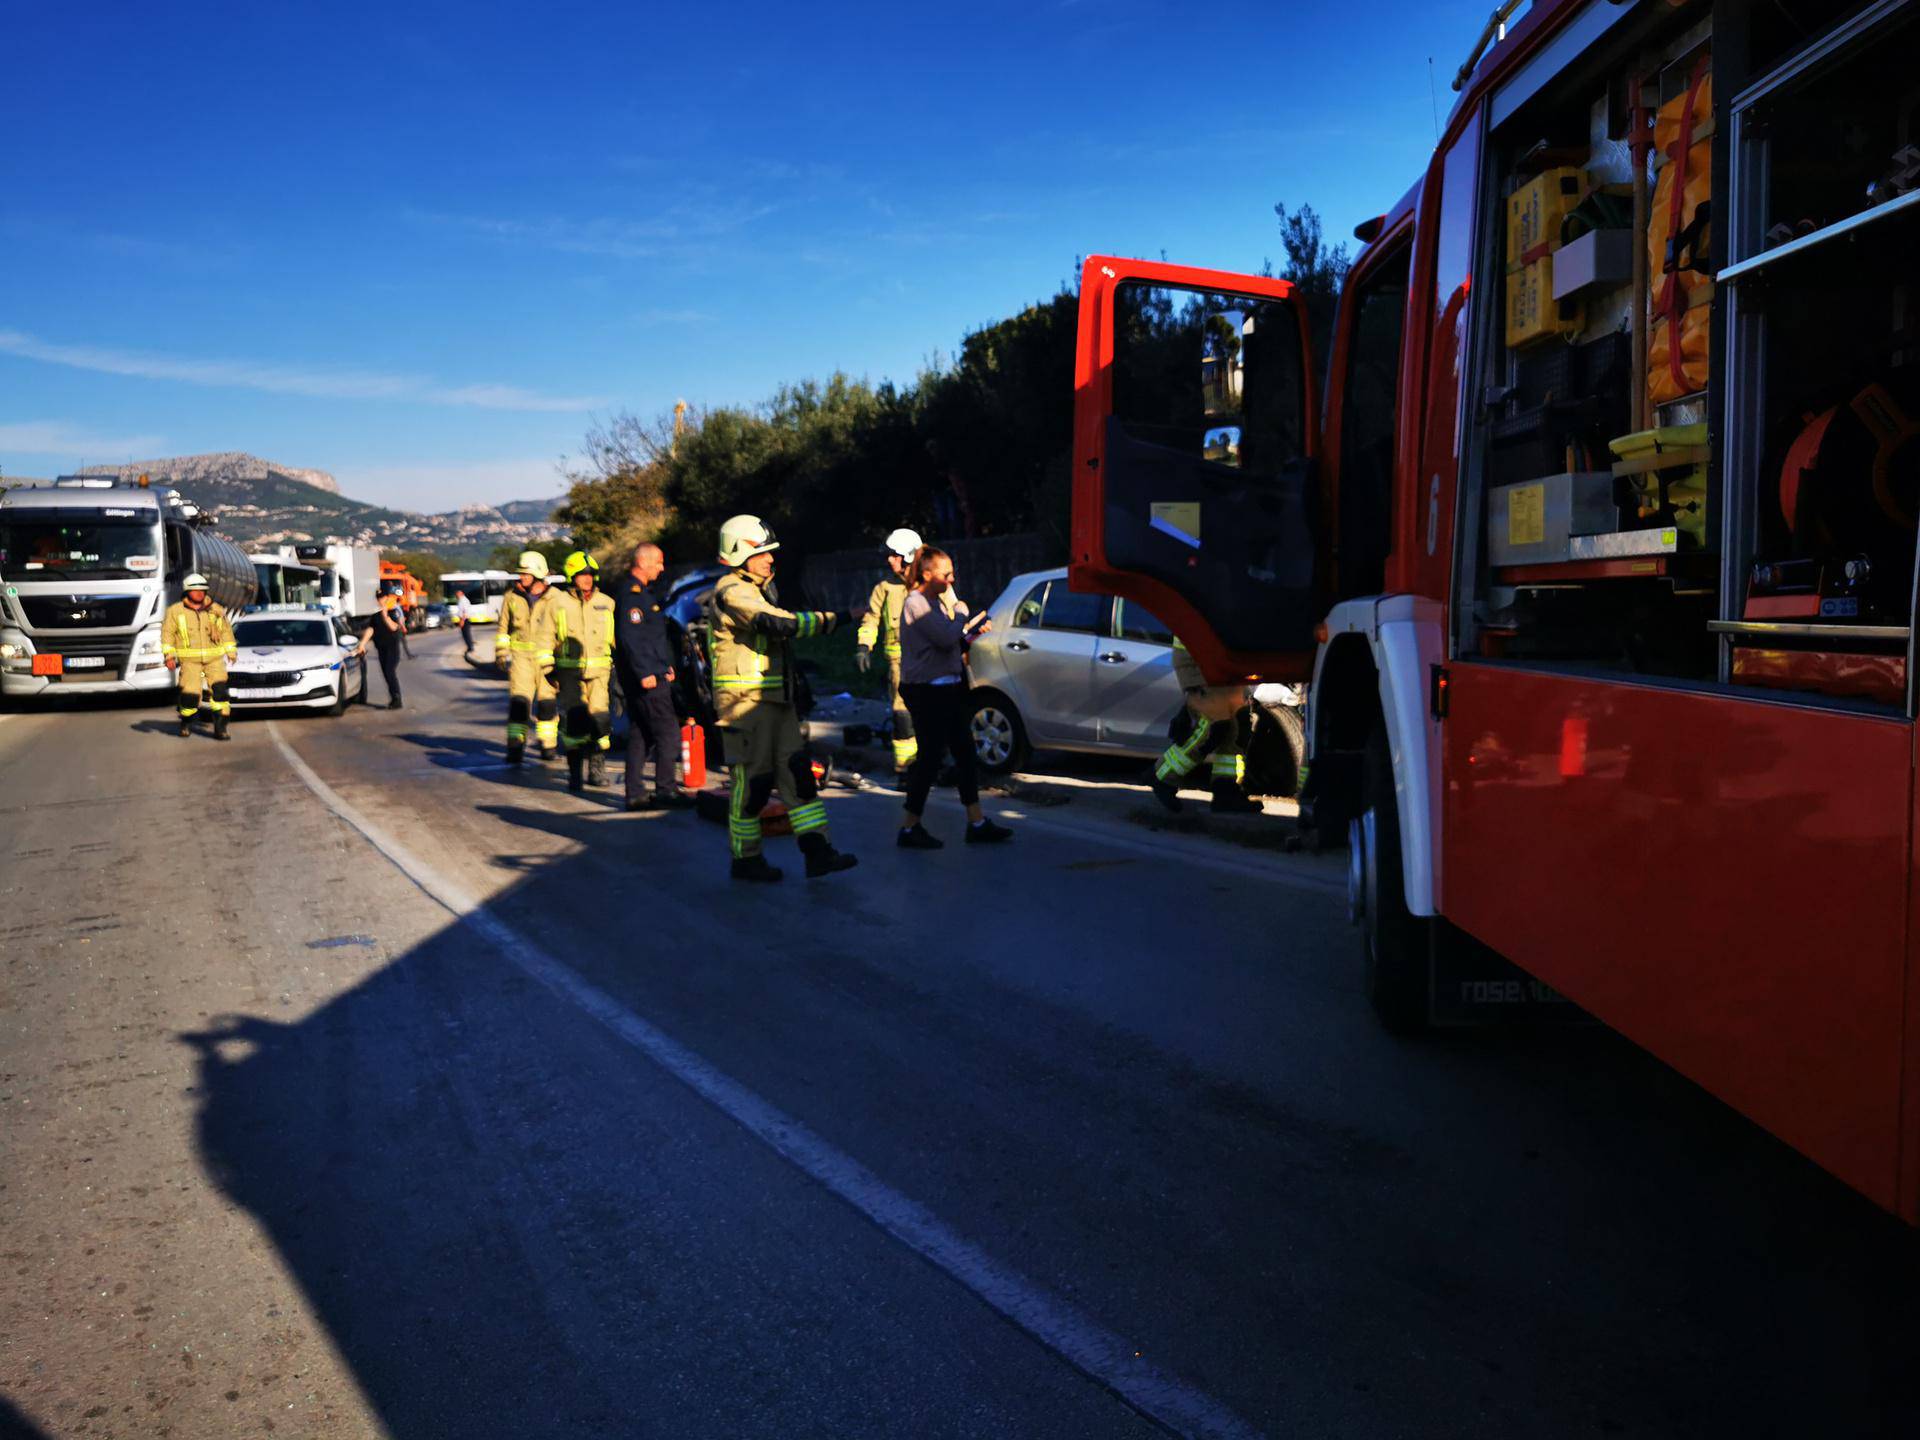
x=484, y=590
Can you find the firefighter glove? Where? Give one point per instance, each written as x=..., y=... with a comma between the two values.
x=863, y=657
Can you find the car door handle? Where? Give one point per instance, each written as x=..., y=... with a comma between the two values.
x=1018, y=645
x=1112, y=657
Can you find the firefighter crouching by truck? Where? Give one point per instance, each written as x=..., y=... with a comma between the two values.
x=523, y=647
x=882, y=627
x=752, y=667
x=197, y=642
x=580, y=620
x=1220, y=719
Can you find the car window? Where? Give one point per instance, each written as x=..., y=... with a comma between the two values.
x=1136, y=622
x=1027, y=612
x=1066, y=609
x=282, y=632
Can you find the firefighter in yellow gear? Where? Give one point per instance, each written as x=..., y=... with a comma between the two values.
x=580, y=625
x=881, y=628
x=1219, y=714
x=523, y=637
x=750, y=659
x=196, y=641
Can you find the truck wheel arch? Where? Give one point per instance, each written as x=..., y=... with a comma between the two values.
x=1374, y=668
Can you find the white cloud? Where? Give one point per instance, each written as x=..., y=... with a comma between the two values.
x=288, y=380
x=58, y=438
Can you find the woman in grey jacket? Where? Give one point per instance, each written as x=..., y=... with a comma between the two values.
x=934, y=634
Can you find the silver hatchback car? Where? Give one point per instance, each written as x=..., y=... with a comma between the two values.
x=1062, y=670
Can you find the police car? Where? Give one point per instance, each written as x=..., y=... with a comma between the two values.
x=296, y=656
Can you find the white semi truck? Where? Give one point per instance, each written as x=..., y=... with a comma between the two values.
x=348, y=582
x=88, y=567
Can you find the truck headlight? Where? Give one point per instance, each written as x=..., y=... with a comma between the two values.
x=11, y=651
x=149, y=642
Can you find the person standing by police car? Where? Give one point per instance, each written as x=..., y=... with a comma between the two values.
x=644, y=657
x=384, y=632
x=197, y=642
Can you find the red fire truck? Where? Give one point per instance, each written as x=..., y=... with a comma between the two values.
x=1600, y=555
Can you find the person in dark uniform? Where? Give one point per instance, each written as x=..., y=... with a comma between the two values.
x=643, y=654
x=385, y=631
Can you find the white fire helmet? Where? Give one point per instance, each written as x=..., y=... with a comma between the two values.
x=742, y=538
x=533, y=563
x=195, y=581
x=904, y=542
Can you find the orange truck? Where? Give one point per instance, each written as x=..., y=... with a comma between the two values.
x=396, y=579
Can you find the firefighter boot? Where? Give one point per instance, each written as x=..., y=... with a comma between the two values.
x=596, y=770
x=576, y=762
x=220, y=725
x=822, y=858
x=1167, y=792
x=516, y=752
x=754, y=867
x=1230, y=799
x=186, y=727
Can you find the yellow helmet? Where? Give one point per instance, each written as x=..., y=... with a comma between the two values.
x=743, y=537
x=533, y=563
x=580, y=560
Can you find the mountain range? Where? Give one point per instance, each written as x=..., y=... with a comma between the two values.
x=262, y=502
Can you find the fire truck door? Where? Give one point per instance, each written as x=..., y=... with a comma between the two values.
x=1194, y=436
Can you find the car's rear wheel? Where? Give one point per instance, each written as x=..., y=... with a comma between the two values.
x=999, y=736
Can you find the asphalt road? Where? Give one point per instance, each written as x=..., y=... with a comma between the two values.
x=355, y=1085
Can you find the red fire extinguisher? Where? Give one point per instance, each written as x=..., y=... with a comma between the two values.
x=693, y=755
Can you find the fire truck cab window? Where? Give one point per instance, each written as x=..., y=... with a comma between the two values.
x=1378, y=311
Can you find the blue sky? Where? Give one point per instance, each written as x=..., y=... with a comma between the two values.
x=423, y=246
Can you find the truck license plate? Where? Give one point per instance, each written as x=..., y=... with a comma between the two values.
x=86, y=662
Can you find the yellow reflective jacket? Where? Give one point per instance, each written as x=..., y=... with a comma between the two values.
x=881, y=629
x=190, y=634
x=748, y=640
x=581, y=630
x=526, y=625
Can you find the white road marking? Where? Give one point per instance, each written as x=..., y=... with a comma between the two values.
x=1071, y=1334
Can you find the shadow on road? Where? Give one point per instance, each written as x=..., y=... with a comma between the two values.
x=512, y=1225
x=15, y=1426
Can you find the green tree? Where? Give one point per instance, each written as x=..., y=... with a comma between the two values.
x=1318, y=270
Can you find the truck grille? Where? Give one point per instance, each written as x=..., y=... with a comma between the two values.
x=51, y=612
x=115, y=652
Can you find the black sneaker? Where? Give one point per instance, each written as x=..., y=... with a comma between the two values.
x=1167, y=792
x=639, y=805
x=755, y=867
x=987, y=833
x=917, y=838
x=672, y=800
x=393, y=704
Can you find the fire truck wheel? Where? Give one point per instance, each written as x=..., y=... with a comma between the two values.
x=1395, y=952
